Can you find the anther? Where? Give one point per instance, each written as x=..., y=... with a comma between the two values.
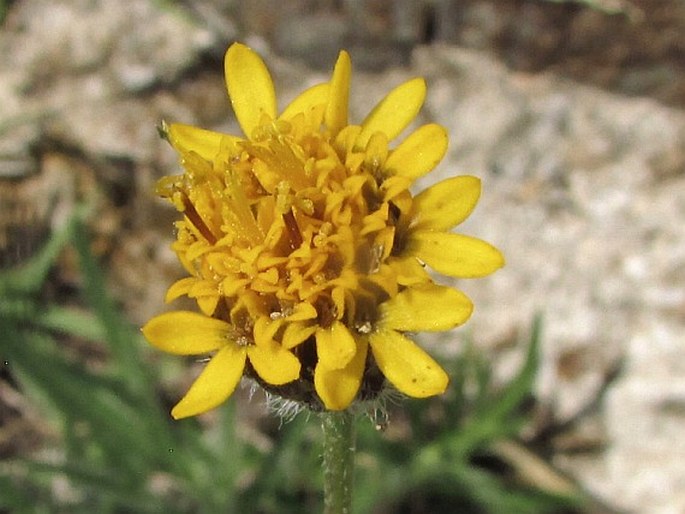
x=194, y=217
x=294, y=235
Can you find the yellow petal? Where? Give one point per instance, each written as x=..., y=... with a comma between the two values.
x=186, y=333
x=394, y=186
x=344, y=141
x=376, y=152
x=250, y=87
x=409, y=270
x=205, y=143
x=335, y=116
x=302, y=311
x=296, y=333
x=428, y=307
x=397, y=110
x=207, y=304
x=446, y=204
x=179, y=288
x=215, y=384
x=315, y=95
x=407, y=367
x=273, y=363
x=265, y=329
x=337, y=388
x=335, y=346
x=419, y=153
x=202, y=288
x=455, y=255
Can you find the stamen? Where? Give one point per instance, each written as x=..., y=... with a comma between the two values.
x=194, y=217
x=294, y=234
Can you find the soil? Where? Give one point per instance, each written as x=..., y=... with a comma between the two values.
x=637, y=48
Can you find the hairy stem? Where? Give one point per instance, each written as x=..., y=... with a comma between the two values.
x=338, y=461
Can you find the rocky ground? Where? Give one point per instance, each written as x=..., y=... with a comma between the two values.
x=580, y=145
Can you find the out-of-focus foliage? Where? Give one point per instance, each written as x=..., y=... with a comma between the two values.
x=4, y=5
x=119, y=451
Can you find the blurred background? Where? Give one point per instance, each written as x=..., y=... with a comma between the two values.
x=568, y=384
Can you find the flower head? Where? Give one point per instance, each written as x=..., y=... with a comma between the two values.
x=305, y=249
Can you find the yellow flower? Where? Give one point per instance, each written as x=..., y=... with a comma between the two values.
x=306, y=250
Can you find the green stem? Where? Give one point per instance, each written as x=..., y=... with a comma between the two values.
x=338, y=461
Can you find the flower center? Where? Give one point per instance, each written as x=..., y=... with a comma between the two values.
x=290, y=216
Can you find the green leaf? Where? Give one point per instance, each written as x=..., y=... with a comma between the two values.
x=121, y=339
x=518, y=389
